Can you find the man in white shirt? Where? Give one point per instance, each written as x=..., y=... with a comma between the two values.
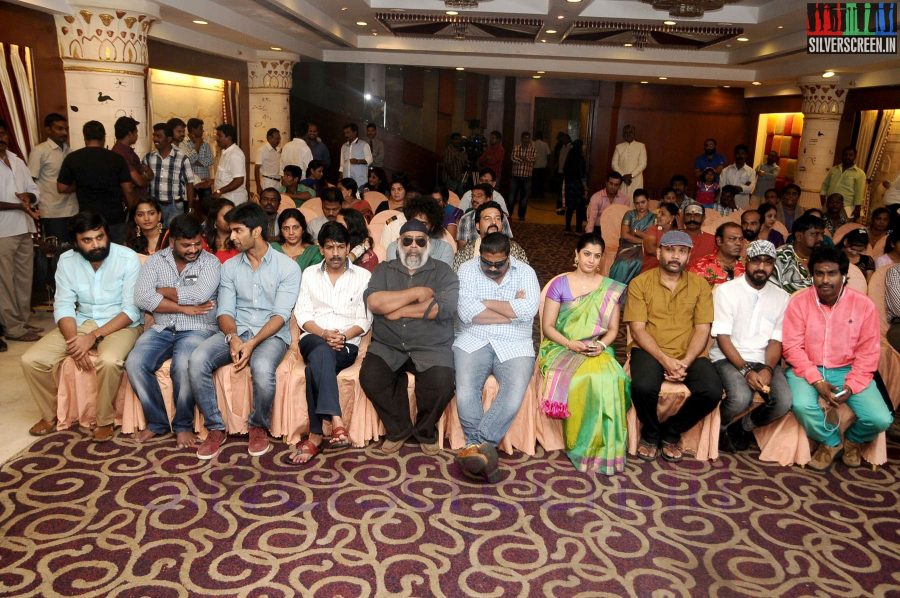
x=18, y=196
x=747, y=350
x=296, y=152
x=541, y=158
x=232, y=169
x=740, y=174
x=356, y=155
x=333, y=318
x=485, y=176
x=892, y=195
x=267, y=165
x=44, y=163
x=376, y=145
x=630, y=159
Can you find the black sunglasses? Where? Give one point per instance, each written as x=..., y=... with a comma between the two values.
x=497, y=265
x=407, y=241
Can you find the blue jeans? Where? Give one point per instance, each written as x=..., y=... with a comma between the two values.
x=872, y=415
x=148, y=354
x=212, y=354
x=171, y=210
x=472, y=370
x=519, y=190
x=739, y=395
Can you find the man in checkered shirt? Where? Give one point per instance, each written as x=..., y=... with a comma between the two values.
x=172, y=183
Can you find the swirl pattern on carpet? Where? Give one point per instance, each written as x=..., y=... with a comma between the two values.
x=118, y=519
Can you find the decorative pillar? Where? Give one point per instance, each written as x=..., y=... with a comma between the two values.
x=270, y=88
x=104, y=53
x=823, y=105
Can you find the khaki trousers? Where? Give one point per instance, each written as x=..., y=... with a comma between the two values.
x=16, y=270
x=40, y=362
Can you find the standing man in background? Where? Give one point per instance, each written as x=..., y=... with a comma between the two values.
x=630, y=159
x=44, y=163
x=493, y=155
x=356, y=156
x=232, y=169
x=376, y=145
x=201, y=156
x=523, y=157
x=267, y=165
x=541, y=159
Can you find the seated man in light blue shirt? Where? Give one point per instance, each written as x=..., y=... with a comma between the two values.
x=498, y=299
x=257, y=293
x=94, y=309
x=179, y=286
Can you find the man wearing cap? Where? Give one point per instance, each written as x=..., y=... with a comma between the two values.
x=703, y=242
x=498, y=299
x=725, y=263
x=791, y=271
x=832, y=343
x=669, y=312
x=747, y=348
x=413, y=301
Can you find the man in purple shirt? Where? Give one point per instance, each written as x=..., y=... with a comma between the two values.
x=126, y=136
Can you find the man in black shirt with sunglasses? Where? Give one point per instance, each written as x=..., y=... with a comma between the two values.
x=413, y=300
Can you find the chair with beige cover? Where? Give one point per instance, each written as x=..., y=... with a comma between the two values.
x=611, y=231
x=856, y=280
x=842, y=231
x=376, y=225
x=312, y=209
x=374, y=199
x=453, y=199
x=889, y=364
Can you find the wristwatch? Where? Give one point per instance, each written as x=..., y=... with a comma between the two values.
x=229, y=336
x=745, y=370
x=98, y=338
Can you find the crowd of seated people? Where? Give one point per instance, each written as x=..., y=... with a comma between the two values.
x=742, y=318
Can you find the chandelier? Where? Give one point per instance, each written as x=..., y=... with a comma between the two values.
x=686, y=8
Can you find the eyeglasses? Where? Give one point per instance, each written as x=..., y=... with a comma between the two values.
x=497, y=265
x=420, y=241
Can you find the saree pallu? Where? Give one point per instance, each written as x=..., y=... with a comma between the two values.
x=593, y=394
x=630, y=256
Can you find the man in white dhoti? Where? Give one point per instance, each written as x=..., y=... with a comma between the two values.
x=630, y=159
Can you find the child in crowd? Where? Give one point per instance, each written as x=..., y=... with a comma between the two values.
x=707, y=188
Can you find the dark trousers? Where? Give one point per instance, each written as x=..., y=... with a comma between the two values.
x=893, y=336
x=575, y=204
x=322, y=367
x=387, y=390
x=646, y=379
x=56, y=227
x=538, y=176
x=519, y=189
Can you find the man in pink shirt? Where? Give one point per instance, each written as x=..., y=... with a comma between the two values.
x=832, y=343
x=611, y=194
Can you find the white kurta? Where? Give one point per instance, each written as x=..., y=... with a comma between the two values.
x=630, y=158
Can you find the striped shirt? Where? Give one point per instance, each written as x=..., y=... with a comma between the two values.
x=200, y=160
x=171, y=175
x=507, y=340
x=892, y=294
x=523, y=158
x=339, y=306
x=466, y=231
x=195, y=285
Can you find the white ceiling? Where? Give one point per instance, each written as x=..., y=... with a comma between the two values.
x=327, y=30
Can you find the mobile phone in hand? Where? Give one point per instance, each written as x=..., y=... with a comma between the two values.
x=842, y=394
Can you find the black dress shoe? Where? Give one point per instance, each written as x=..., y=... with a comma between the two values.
x=733, y=438
x=3, y=346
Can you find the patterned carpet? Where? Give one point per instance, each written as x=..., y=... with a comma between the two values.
x=118, y=519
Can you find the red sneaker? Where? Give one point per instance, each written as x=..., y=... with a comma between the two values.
x=212, y=445
x=259, y=442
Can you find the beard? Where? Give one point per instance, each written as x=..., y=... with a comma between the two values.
x=750, y=235
x=412, y=261
x=94, y=255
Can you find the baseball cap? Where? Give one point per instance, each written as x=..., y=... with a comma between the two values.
x=676, y=237
x=760, y=248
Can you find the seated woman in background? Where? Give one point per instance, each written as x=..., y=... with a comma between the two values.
x=377, y=182
x=294, y=240
x=768, y=214
x=853, y=245
x=879, y=228
x=429, y=212
x=666, y=220
x=145, y=232
x=361, y=244
x=582, y=381
x=315, y=179
x=891, y=250
x=347, y=187
x=635, y=226
x=397, y=198
x=452, y=214
x=216, y=233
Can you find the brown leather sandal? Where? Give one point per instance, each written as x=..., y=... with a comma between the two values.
x=339, y=437
x=306, y=448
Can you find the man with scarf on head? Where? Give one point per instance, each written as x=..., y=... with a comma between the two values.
x=413, y=301
x=93, y=309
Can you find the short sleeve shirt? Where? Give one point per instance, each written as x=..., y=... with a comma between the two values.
x=98, y=174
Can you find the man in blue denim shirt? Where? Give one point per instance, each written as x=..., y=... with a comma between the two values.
x=257, y=293
x=94, y=309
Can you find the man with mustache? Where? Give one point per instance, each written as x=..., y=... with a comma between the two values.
x=466, y=231
x=333, y=317
x=488, y=219
x=710, y=158
x=93, y=309
x=751, y=224
x=832, y=344
x=704, y=243
x=747, y=348
x=498, y=299
x=725, y=263
x=179, y=286
x=669, y=312
x=791, y=270
x=413, y=300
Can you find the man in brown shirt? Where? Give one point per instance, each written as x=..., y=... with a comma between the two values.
x=669, y=313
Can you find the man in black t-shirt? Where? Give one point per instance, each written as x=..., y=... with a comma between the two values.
x=100, y=179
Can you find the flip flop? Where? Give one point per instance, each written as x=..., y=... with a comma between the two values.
x=339, y=437
x=305, y=448
x=652, y=449
x=675, y=454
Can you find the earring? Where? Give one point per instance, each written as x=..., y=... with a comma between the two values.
x=159, y=227
x=576, y=262
x=137, y=231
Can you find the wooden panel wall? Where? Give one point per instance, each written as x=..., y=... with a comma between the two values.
x=413, y=86
x=446, y=92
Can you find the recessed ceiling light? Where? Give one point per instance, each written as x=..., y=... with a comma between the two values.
x=561, y=17
x=644, y=82
x=780, y=27
x=460, y=68
x=828, y=74
x=452, y=13
x=669, y=23
x=757, y=83
x=367, y=96
x=573, y=1
x=535, y=76
x=726, y=86
x=201, y=22
x=628, y=44
x=727, y=45
x=551, y=31
x=276, y=48
x=361, y=23
x=663, y=78
x=543, y=41
x=743, y=38
x=541, y=72
x=343, y=8
x=374, y=33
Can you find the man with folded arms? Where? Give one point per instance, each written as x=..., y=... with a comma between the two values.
x=498, y=299
x=413, y=300
x=832, y=343
x=669, y=312
x=257, y=291
x=747, y=350
x=179, y=286
x=94, y=309
x=333, y=318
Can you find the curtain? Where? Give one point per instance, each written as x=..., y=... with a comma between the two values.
x=17, y=106
x=875, y=126
x=231, y=107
